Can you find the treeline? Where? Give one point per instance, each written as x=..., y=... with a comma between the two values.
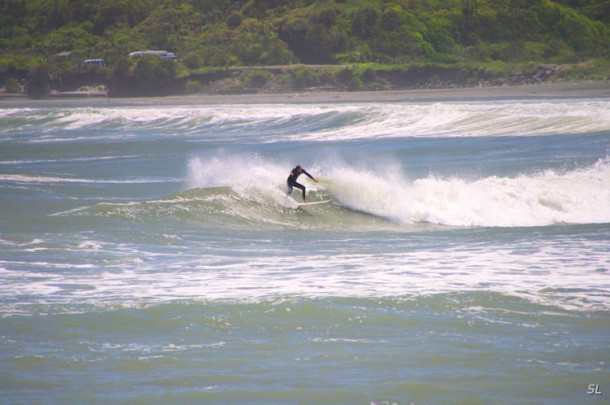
x=42, y=41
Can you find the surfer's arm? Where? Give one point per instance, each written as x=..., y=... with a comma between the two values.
x=309, y=175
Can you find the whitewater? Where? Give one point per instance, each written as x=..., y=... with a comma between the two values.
x=149, y=252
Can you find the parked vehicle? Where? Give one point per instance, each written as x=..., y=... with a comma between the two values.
x=99, y=62
x=161, y=54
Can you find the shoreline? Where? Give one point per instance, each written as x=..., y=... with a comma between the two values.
x=533, y=91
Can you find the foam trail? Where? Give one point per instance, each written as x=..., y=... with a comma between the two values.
x=577, y=197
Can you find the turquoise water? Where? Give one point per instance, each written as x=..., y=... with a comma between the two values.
x=149, y=253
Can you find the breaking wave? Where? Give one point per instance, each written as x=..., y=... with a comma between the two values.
x=240, y=191
x=320, y=122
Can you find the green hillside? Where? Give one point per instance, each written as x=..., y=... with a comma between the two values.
x=363, y=44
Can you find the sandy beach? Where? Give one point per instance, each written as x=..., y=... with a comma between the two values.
x=577, y=90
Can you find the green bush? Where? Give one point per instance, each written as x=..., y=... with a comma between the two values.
x=39, y=83
x=234, y=19
x=13, y=86
x=303, y=77
x=194, y=86
x=144, y=75
x=256, y=78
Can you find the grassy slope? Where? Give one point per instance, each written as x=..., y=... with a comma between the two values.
x=378, y=44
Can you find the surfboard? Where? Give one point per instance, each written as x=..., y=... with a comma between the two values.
x=314, y=202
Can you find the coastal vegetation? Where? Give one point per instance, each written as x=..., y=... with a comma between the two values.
x=232, y=46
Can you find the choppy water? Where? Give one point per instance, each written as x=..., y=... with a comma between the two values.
x=149, y=254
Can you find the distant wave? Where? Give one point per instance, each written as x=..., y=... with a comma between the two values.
x=320, y=122
x=64, y=160
x=41, y=179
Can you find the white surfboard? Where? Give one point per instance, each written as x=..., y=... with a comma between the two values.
x=314, y=202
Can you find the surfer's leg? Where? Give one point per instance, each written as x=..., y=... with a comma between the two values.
x=302, y=187
x=289, y=188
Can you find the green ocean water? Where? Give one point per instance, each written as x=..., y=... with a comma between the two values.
x=150, y=254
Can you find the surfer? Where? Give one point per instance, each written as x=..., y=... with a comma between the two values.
x=292, y=180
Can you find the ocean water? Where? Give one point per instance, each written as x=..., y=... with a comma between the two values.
x=149, y=253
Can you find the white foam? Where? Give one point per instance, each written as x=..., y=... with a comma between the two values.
x=540, y=274
x=578, y=196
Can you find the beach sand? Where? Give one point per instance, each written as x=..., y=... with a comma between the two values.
x=580, y=90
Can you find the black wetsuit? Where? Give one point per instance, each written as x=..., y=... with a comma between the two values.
x=292, y=180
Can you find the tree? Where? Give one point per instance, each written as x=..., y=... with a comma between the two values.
x=39, y=83
x=146, y=75
x=364, y=22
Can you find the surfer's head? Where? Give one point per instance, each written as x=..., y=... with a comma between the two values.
x=299, y=168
